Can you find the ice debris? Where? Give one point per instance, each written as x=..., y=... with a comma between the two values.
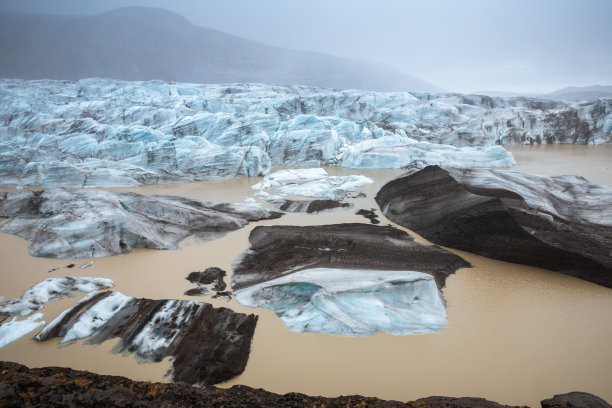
x=35, y=297
x=15, y=329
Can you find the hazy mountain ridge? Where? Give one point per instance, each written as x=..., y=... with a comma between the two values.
x=146, y=43
x=570, y=93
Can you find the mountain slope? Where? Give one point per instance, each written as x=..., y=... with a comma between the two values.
x=138, y=43
x=584, y=93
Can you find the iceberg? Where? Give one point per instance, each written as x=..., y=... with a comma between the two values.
x=560, y=223
x=309, y=183
x=207, y=344
x=351, y=302
x=83, y=223
x=35, y=297
x=15, y=329
x=346, y=279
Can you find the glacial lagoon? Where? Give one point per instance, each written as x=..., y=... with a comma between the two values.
x=515, y=334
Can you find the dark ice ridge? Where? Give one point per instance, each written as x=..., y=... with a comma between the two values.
x=561, y=223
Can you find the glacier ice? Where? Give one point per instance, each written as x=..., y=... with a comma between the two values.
x=351, y=302
x=15, y=329
x=309, y=183
x=101, y=132
x=35, y=297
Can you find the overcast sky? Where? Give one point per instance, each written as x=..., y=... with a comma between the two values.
x=460, y=45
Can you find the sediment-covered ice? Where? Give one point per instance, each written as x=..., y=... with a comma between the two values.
x=83, y=223
x=351, y=302
x=561, y=223
x=310, y=183
x=15, y=329
x=35, y=297
x=100, y=132
x=347, y=279
x=207, y=344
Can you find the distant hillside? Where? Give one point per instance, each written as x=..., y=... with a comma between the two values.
x=585, y=93
x=146, y=43
x=571, y=93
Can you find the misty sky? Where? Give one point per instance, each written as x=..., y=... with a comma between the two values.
x=464, y=46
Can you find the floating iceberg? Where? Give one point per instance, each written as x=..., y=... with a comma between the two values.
x=35, y=297
x=207, y=344
x=347, y=279
x=83, y=223
x=310, y=183
x=15, y=329
x=100, y=132
x=351, y=302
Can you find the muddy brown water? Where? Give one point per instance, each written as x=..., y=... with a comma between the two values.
x=515, y=334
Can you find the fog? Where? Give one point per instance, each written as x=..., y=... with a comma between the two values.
x=464, y=46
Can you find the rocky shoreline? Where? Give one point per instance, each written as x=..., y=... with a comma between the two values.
x=56, y=386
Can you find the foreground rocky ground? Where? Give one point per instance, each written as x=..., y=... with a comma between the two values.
x=54, y=386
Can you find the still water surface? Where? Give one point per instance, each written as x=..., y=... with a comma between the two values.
x=516, y=334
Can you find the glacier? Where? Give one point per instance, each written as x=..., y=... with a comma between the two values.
x=108, y=133
x=351, y=302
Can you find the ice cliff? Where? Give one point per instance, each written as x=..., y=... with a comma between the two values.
x=99, y=132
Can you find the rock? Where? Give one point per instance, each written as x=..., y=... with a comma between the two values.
x=450, y=402
x=575, y=400
x=559, y=223
x=23, y=386
x=311, y=206
x=369, y=214
x=208, y=345
x=349, y=279
x=227, y=294
x=199, y=291
x=68, y=223
x=208, y=276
